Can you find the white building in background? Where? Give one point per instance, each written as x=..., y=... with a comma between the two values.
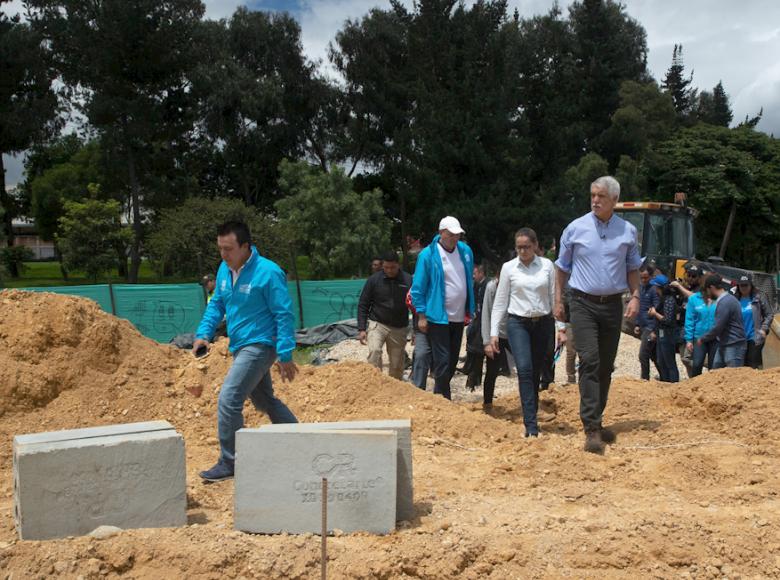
x=26, y=234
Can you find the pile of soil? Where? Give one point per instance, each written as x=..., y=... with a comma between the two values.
x=690, y=489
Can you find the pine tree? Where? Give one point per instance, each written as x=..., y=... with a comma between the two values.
x=721, y=110
x=677, y=85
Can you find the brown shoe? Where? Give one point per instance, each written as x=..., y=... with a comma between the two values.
x=608, y=436
x=593, y=442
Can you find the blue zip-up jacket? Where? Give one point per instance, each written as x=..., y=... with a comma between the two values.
x=428, y=284
x=728, y=327
x=699, y=317
x=647, y=297
x=258, y=308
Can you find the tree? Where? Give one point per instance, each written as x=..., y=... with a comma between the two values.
x=183, y=239
x=340, y=229
x=129, y=62
x=256, y=92
x=28, y=105
x=646, y=116
x=714, y=107
x=677, y=85
x=725, y=172
x=90, y=232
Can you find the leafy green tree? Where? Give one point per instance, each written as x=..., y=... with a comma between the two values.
x=66, y=180
x=128, y=64
x=183, y=240
x=90, y=233
x=610, y=47
x=645, y=116
x=726, y=172
x=339, y=229
x=28, y=105
x=256, y=97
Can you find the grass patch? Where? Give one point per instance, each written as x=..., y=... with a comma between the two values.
x=49, y=274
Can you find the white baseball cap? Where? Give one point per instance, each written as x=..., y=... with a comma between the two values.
x=451, y=224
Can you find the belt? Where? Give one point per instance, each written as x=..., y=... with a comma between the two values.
x=598, y=299
x=531, y=318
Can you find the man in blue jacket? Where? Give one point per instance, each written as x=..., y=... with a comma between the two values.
x=251, y=293
x=443, y=296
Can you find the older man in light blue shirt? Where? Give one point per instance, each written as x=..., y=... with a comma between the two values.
x=599, y=259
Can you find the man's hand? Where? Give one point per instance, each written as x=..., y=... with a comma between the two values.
x=652, y=336
x=288, y=370
x=559, y=312
x=689, y=346
x=422, y=323
x=562, y=336
x=637, y=331
x=762, y=332
x=198, y=344
x=632, y=308
x=652, y=311
x=362, y=337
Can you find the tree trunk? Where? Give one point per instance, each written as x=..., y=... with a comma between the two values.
x=729, y=226
x=135, y=196
x=8, y=217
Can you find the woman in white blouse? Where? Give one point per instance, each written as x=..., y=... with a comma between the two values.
x=525, y=298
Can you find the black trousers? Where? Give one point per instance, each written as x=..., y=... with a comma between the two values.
x=492, y=368
x=597, y=328
x=445, y=342
x=647, y=353
x=753, y=356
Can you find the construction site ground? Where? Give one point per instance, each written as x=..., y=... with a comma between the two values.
x=690, y=488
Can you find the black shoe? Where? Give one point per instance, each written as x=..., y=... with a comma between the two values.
x=221, y=471
x=593, y=442
x=608, y=436
x=531, y=435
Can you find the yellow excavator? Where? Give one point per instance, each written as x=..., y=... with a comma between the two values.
x=666, y=236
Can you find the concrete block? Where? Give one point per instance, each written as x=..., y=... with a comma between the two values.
x=279, y=475
x=403, y=427
x=67, y=483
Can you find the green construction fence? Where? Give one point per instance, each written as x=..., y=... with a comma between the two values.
x=161, y=311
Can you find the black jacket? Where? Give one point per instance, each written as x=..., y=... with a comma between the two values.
x=383, y=300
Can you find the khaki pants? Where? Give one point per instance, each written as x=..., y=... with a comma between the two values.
x=395, y=339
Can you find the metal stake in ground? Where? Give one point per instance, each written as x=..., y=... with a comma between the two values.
x=324, y=535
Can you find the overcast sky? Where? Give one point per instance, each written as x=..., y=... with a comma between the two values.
x=736, y=42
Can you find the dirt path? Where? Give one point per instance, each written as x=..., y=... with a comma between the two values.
x=690, y=489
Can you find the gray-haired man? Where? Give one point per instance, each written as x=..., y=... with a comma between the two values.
x=599, y=259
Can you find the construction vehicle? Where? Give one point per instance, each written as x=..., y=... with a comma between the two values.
x=666, y=236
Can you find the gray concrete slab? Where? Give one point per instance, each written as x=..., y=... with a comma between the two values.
x=278, y=485
x=403, y=427
x=128, y=477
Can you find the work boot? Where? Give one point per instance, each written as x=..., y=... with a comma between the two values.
x=593, y=442
x=608, y=436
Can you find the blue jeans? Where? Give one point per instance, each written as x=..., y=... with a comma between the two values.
x=530, y=341
x=421, y=360
x=706, y=350
x=730, y=356
x=667, y=356
x=249, y=376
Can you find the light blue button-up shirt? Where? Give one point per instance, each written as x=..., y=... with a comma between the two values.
x=599, y=255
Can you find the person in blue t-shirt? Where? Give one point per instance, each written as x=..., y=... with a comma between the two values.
x=699, y=318
x=757, y=315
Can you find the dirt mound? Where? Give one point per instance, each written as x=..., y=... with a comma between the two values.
x=690, y=489
x=51, y=343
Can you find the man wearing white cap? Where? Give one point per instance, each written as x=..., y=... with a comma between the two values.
x=442, y=294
